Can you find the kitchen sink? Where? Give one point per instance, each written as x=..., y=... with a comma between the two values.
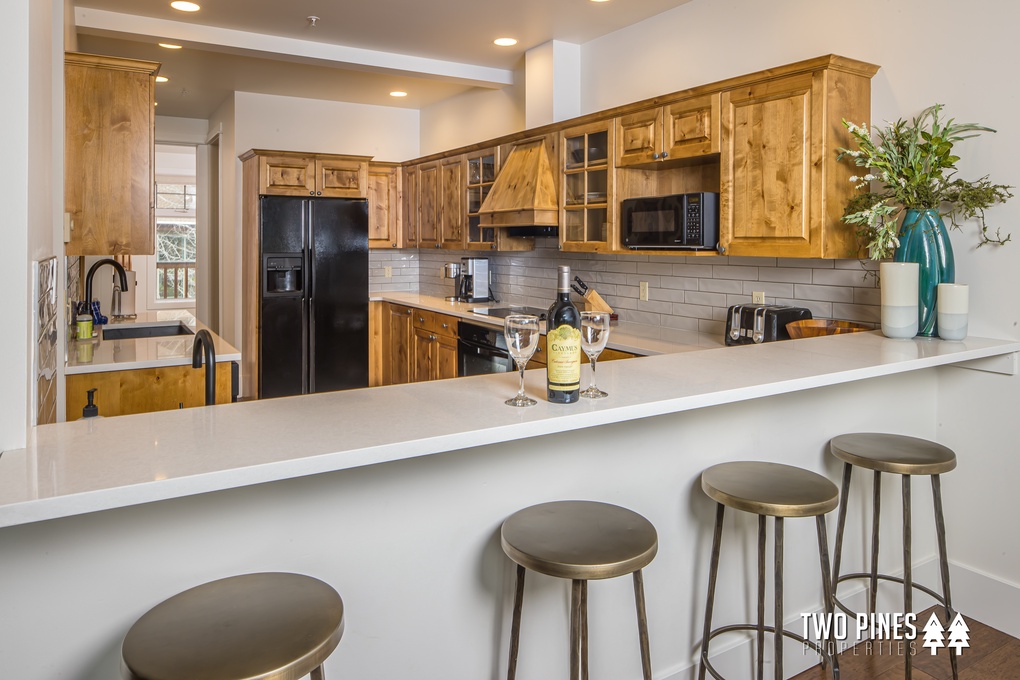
x=135, y=331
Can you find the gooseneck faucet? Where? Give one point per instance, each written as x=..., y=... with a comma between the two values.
x=92, y=272
x=204, y=341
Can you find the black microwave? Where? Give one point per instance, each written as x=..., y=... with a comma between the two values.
x=680, y=221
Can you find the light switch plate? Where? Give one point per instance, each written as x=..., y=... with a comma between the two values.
x=758, y=298
x=388, y=272
x=644, y=290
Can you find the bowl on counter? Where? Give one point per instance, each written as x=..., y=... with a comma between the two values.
x=810, y=328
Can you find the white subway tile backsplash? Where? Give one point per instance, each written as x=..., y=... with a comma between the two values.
x=684, y=294
x=731, y=272
x=823, y=293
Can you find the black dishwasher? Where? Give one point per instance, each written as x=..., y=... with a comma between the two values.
x=481, y=350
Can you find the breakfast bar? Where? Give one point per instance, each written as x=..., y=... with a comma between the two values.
x=395, y=495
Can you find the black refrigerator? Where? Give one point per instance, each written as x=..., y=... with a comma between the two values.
x=313, y=332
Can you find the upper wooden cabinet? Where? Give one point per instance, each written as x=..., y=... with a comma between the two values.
x=428, y=205
x=587, y=205
x=109, y=148
x=411, y=208
x=673, y=133
x=452, y=219
x=384, y=206
x=284, y=173
x=782, y=193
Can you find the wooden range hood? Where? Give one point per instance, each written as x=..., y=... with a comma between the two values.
x=524, y=194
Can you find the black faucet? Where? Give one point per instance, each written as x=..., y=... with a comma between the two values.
x=203, y=340
x=92, y=273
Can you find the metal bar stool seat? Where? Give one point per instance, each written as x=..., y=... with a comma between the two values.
x=265, y=626
x=905, y=456
x=581, y=541
x=779, y=491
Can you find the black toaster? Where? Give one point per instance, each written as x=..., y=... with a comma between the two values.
x=752, y=324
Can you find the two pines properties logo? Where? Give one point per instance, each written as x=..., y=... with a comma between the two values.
x=888, y=628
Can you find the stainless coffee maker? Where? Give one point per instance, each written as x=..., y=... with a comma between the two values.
x=451, y=270
x=473, y=285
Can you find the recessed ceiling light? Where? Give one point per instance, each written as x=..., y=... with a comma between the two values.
x=505, y=42
x=600, y=0
x=169, y=46
x=184, y=6
x=398, y=93
x=162, y=79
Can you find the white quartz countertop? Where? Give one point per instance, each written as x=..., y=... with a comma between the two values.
x=92, y=465
x=634, y=338
x=99, y=355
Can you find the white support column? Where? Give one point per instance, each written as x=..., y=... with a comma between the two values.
x=553, y=83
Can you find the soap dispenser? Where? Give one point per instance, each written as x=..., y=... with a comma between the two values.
x=90, y=410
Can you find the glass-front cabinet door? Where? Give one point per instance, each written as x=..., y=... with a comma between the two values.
x=587, y=221
x=482, y=167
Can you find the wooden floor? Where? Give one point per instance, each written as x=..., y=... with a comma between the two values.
x=992, y=655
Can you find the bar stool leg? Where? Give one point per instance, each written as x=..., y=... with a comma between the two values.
x=642, y=623
x=908, y=585
x=317, y=674
x=761, y=597
x=779, y=598
x=584, y=630
x=713, y=573
x=844, y=501
x=877, y=504
x=575, y=630
x=940, y=532
x=827, y=594
x=515, y=627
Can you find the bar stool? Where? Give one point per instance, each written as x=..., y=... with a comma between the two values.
x=780, y=491
x=905, y=456
x=267, y=626
x=579, y=540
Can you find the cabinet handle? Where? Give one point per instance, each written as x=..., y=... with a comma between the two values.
x=394, y=245
x=318, y=193
x=437, y=245
x=665, y=154
x=655, y=156
x=311, y=193
x=421, y=319
x=409, y=312
x=432, y=338
x=446, y=325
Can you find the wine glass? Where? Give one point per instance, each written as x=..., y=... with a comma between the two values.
x=594, y=334
x=522, y=333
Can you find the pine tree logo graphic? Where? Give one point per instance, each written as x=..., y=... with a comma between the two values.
x=934, y=634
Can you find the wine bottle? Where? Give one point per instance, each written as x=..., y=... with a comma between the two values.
x=563, y=344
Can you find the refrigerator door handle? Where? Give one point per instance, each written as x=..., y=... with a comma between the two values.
x=310, y=325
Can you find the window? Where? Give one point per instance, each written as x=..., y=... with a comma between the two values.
x=176, y=242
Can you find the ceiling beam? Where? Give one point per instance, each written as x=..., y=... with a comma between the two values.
x=215, y=39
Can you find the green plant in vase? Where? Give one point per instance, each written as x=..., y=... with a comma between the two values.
x=913, y=166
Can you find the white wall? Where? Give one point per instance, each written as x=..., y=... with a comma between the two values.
x=473, y=116
x=228, y=324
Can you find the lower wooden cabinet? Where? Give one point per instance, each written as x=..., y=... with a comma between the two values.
x=538, y=359
x=144, y=390
x=434, y=353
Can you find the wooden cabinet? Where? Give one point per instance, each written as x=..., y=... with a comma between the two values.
x=384, y=206
x=428, y=205
x=284, y=173
x=434, y=341
x=144, y=390
x=397, y=343
x=587, y=205
x=410, y=208
x=109, y=149
x=782, y=192
x=673, y=133
x=451, y=218
x=482, y=167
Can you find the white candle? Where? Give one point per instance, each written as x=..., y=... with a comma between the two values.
x=899, y=282
x=952, y=307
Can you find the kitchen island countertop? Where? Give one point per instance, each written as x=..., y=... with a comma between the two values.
x=86, y=466
x=124, y=355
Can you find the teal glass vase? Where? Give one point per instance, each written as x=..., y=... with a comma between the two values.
x=924, y=240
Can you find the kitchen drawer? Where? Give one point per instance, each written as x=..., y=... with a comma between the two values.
x=439, y=324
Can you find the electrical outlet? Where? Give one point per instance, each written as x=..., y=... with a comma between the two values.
x=388, y=272
x=758, y=298
x=644, y=290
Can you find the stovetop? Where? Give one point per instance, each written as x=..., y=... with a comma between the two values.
x=503, y=312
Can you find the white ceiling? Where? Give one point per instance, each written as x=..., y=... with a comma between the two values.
x=358, y=51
